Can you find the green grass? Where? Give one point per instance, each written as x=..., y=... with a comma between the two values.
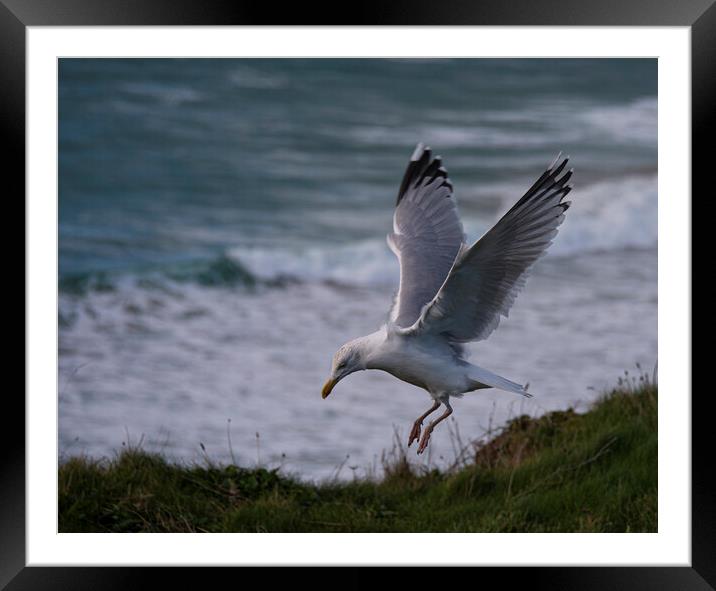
x=562, y=472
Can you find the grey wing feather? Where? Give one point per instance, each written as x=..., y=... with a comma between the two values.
x=486, y=278
x=427, y=234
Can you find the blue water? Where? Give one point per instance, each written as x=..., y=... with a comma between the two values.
x=222, y=230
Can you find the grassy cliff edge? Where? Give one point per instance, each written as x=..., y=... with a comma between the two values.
x=561, y=472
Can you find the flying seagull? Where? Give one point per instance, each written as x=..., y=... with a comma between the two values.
x=451, y=293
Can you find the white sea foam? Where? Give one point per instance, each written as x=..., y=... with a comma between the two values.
x=362, y=263
x=631, y=123
x=611, y=215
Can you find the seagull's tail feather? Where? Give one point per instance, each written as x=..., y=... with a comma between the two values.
x=483, y=376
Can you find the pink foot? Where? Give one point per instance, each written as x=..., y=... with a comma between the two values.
x=414, y=433
x=424, y=441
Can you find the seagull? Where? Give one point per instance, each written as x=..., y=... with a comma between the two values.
x=451, y=293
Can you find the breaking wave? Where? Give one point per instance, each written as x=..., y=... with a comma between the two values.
x=609, y=215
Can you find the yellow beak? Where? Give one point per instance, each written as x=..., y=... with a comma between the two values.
x=327, y=387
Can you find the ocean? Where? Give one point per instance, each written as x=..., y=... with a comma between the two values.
x=222, y=232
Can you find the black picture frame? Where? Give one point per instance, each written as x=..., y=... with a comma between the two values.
x=16, y=15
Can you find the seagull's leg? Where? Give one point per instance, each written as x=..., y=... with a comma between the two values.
x=415, y=432
x=431, y=426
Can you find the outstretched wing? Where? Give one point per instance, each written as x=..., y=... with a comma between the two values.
x=486, y=278
x=427, y=234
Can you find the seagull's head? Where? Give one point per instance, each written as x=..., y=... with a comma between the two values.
x=348, y=359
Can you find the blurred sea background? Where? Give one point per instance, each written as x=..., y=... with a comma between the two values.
x=222, y=231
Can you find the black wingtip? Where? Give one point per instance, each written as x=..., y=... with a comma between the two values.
x=548, y=181
x=551, y=166
x=557, y=171
x=422, y=166
x=563, y=180
x=418, y=152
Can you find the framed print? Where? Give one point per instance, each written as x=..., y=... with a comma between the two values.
x=206, y=223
